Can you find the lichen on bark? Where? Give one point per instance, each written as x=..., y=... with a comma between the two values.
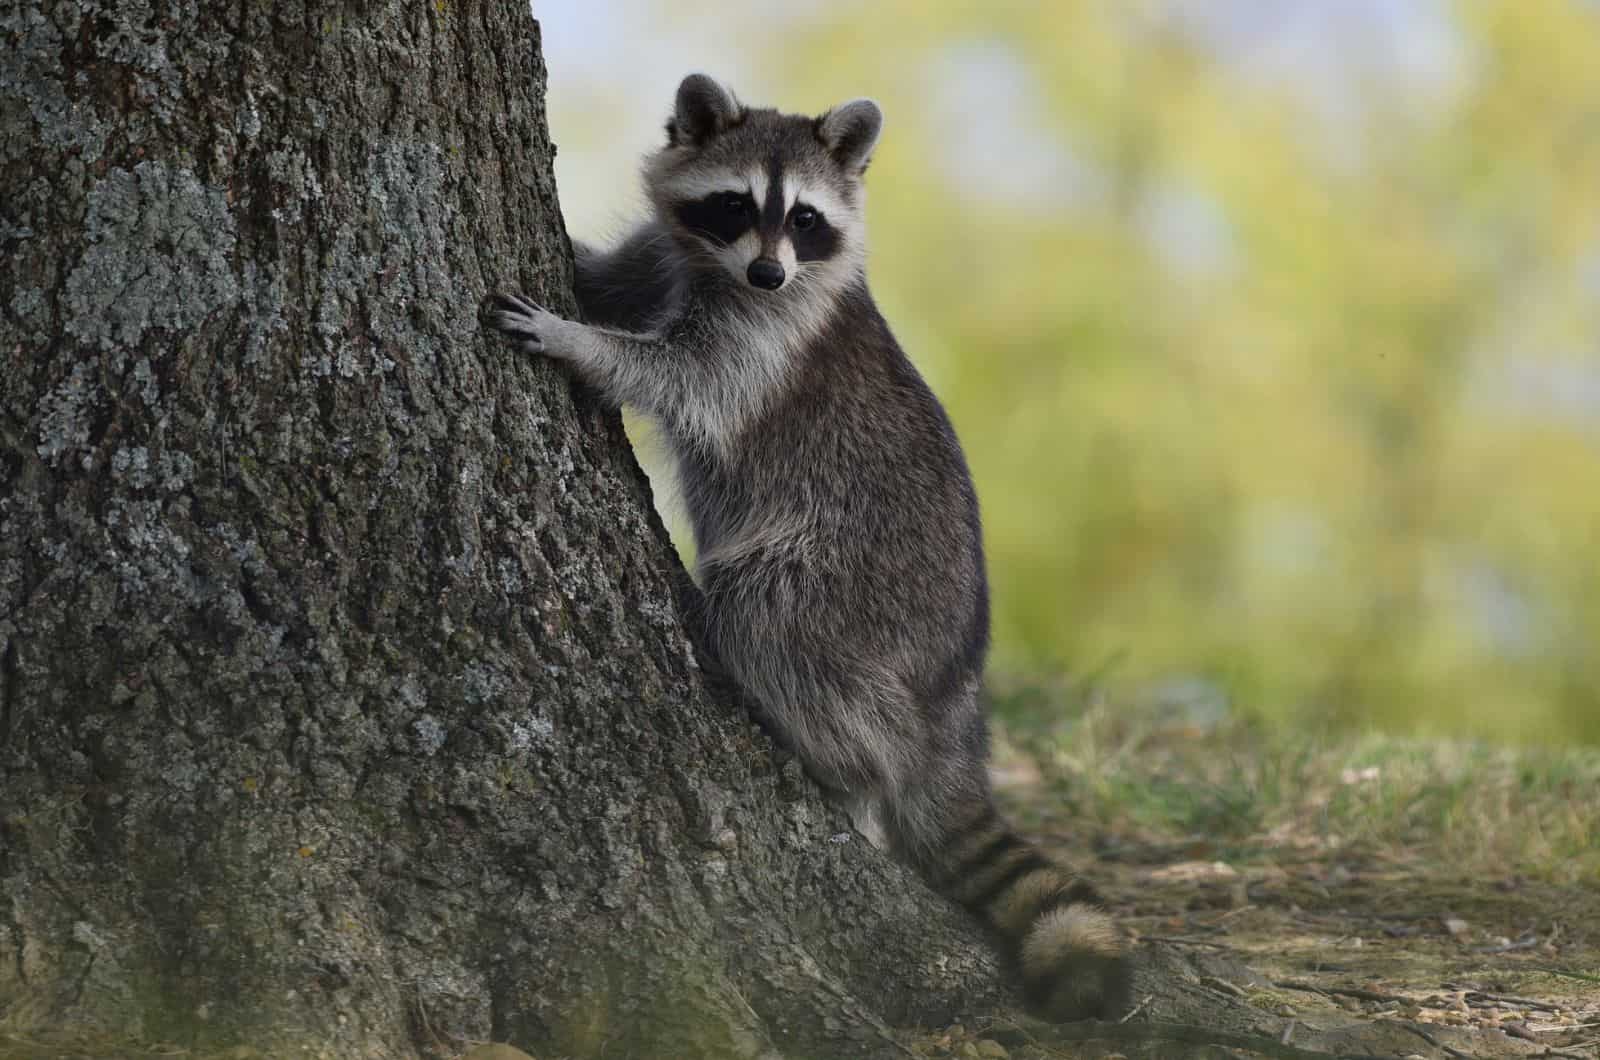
x=159, y=256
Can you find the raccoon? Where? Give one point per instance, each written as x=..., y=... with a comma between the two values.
x=840, y=555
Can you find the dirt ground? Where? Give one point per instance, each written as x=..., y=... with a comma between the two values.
x=1362, y=957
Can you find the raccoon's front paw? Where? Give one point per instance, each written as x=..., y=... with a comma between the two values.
x=528, y=326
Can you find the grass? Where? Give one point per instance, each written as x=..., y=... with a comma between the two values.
x=1070, y=756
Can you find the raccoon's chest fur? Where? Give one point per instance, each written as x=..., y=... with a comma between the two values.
x=848, y=488
x=801, y=458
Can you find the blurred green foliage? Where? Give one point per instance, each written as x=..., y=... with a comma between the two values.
x=1299, y=411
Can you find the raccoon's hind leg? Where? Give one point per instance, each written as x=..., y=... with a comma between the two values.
x=1068, y=953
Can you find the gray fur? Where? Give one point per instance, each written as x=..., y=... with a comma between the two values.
x=851, y=132
x=840, y=552
x=630, y=286
x=702, y=110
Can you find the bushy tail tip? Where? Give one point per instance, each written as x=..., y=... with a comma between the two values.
x=1074, y=965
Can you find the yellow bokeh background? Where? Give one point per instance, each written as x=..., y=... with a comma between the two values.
x=1272, y=333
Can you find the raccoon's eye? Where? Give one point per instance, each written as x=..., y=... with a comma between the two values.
x=733, y=203
x=802, y=218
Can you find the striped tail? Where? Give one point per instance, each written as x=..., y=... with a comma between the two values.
x=1070, y=956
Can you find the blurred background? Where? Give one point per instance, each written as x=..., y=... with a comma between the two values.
x=1271, y=327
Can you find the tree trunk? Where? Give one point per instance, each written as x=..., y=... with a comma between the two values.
x=346, y=709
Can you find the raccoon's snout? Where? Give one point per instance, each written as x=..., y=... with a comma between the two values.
x=765, y=274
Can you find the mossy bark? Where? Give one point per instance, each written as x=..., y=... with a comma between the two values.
x=345, y=705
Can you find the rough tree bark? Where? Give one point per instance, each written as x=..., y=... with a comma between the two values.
x=345, y=707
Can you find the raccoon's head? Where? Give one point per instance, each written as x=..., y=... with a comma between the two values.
x=774, y=199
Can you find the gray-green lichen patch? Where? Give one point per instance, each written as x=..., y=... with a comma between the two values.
x=398, y=282
x=65, y=420
x=482, y=684
x=534, y=729
x=171, y=471
x=30, y=309
x=406, y=185
x=145, y=376
x=346, y=272
x=247, y=117
x=31, y=71
x=431, y=735
x=159, y=256
x=147, y=554
x=158, y=47
x=295, y=184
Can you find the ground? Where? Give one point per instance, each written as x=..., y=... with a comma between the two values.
x=1366, y=895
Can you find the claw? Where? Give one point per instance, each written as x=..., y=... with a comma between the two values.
x=515, y=305
x=511, y=324
x=521, y=303
x=519, y=319
x=514, y=316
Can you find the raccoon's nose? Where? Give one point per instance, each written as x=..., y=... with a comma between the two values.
x=765, y=274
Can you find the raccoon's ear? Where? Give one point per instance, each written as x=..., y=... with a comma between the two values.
x=850, y=132
x=704, y=109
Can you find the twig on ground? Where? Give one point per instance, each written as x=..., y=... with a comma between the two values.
x=1342, y=991
x=1508, y=999
x=1135, y=1010
x=1226, y=987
